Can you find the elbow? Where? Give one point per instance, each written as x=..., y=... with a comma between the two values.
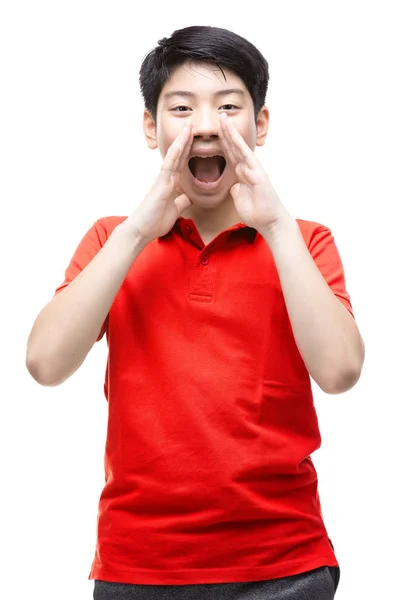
x=35, y=372
x=344, y=380
x=341, y=383
x=38, y=375
x=50, y=373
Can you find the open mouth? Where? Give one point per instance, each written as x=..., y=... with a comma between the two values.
x=207, y=169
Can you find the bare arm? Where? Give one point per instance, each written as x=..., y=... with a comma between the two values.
x=326, y=334
x=68, y=326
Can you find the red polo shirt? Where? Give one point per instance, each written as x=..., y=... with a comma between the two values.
x=211, y=420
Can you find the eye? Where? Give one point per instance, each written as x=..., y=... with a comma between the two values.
x=176, y=108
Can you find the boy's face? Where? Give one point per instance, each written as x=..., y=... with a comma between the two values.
x=203, y=110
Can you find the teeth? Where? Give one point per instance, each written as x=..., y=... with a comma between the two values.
x=212, y=156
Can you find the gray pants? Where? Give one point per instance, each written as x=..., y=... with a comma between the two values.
x=318, y=584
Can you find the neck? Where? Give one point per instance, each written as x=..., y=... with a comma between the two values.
x=213, y=220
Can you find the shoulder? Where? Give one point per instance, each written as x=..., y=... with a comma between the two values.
x=312, y=231
x=104, y=226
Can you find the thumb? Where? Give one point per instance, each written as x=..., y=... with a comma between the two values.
x=182, y=202
x=235, y=190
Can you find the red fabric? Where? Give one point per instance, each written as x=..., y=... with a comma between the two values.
x=212, y=423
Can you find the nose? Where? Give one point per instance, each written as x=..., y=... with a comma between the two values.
x=205, y=124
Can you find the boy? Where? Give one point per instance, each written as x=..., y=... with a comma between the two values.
x=218, y=306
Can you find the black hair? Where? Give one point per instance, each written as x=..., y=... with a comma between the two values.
x=203, y=44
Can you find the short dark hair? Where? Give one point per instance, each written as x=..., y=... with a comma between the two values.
x=203, y=44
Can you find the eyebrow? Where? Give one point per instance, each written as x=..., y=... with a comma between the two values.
x=188, y=94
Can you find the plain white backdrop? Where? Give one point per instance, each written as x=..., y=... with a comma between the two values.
x=73, y=150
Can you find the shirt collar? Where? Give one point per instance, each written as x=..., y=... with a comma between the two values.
x=186, y=227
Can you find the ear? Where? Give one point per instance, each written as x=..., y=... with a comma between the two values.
x=262, y=126
x=149, y=129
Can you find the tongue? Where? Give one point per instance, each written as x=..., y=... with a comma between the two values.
x=207, y=169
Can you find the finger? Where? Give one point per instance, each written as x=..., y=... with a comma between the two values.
x=234, y=153
x=242, y=149
x=186, y=140
x=227, y=145
x=183, y=159
x=186, y=149
x=174, y=151
x=234, y=150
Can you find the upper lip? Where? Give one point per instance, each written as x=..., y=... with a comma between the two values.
x=206, y=152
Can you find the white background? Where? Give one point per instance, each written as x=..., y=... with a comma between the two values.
x=73, y=150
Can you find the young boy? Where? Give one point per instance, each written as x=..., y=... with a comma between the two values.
x=218, y=306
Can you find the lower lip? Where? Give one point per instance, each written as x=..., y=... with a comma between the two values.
x=206, y=185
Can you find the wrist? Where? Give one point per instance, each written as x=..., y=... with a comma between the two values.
x=127, y=233
x=280, y=227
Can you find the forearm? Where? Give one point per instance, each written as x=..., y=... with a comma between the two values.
x=66, y=328
x=326, y=334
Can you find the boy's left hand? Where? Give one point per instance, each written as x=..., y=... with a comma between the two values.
x=255, y=199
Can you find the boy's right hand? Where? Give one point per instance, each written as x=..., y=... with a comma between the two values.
x=163, y=204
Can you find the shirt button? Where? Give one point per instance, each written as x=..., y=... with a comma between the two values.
x=204, y=260
x=188, y=229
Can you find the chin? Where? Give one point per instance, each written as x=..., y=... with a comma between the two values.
x=207, y=199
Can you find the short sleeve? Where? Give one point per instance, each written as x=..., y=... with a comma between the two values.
x=323, y=249
x=88, y=247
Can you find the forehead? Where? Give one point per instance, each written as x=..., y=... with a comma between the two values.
x=202, y=80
